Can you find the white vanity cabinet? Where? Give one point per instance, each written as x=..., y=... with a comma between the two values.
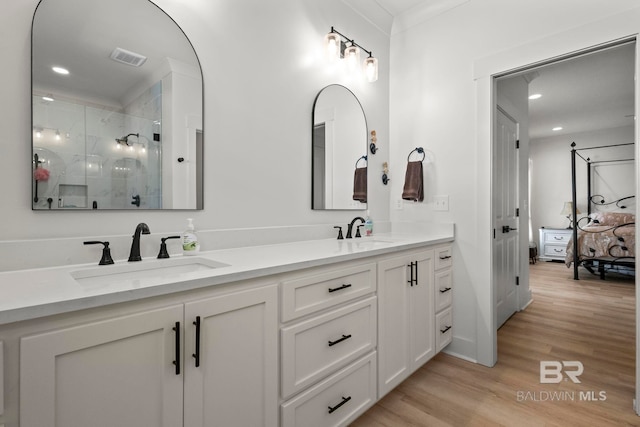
x=405, y=316
x=132, y=370
x=328, y=342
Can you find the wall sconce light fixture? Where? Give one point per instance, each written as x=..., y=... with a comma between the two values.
x=340, y=46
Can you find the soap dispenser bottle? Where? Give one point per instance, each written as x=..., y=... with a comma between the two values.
x=368, y=225
x=190, y=244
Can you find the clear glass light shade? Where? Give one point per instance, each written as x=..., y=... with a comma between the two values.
x=332, y=46
x=371, y=69
x=352, y=55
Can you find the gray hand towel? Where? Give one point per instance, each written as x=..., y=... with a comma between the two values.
x=413, y=182
x=360, y=185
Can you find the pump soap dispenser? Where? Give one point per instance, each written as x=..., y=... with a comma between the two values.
x=190, y=244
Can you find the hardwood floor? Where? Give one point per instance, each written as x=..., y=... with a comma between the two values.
x=590, y=321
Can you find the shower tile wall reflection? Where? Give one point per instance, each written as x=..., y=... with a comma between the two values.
x=87, y=167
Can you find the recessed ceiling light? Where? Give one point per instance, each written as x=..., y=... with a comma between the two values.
x=535, y=96
x=557, y=128
x=60, y=70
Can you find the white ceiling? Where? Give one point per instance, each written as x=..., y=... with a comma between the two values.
x=586, y=93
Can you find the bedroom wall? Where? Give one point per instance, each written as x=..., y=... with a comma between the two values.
x=551, y=174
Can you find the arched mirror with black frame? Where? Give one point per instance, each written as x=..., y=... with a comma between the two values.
x=117, y=108
x=339, y=151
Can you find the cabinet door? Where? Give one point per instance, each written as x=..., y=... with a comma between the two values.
x=115, y=372
x=393, y=323
x=421, y=311
x=235, y=383
x=405, y=317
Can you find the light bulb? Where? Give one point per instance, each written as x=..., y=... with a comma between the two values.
x=371, y=69
x=38, y=133
x=352, y=55
x=57, y=135
x=332, y=44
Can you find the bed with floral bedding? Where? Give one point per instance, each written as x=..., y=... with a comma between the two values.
x=606, y=243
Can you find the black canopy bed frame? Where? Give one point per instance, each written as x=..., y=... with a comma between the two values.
x=613, y=260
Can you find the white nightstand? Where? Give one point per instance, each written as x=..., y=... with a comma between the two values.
x=553, y=243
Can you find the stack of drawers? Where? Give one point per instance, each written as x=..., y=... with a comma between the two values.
x=328, y=345
x=443, y=296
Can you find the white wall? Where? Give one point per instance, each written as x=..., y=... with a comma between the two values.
x=551, y=174
x=263, y=66
x=441, y=95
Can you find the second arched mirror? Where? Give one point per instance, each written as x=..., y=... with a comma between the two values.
x=339, y=149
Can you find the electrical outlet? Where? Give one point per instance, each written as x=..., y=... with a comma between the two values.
x=399, y=204
x=441, y=203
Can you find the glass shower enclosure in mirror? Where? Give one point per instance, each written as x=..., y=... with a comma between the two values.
x=116, y=108
x=339, y=151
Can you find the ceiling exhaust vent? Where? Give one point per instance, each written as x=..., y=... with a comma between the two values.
x=128, y=57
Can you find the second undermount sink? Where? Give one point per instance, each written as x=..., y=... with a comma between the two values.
x=155, y=269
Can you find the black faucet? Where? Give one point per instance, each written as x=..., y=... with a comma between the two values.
x=134, y=255
x=350, y=226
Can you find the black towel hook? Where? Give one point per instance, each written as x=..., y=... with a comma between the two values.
x=420, y=150
x=358, y=161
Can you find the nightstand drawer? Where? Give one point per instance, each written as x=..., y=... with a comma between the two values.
x=555, y=250
x=555, y=237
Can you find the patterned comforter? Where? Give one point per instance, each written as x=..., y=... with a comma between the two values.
x=597, y=241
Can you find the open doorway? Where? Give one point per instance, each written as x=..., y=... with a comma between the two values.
x=589, y=99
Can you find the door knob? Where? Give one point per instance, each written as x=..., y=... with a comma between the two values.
x=506, y=229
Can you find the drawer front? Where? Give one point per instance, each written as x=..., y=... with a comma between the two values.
x=443, y=289
x=444, y=329
x=442, y=257
x=336, y=401
x=320, y=346
x=309, y=294
x=553, y=237
x=555, y=250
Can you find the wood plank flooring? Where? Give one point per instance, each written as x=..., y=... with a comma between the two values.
x=590, y=321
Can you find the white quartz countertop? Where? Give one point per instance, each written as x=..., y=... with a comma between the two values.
x=29, y=294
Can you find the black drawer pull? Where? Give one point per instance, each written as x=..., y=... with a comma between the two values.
x=445, y=257
x=557, y=250
x=444, y=331
x=558, y=238
x=442, y=291
x=177, y=361
x=348, y=285
x=344, y=337
x=196, y=355
x=344, y=400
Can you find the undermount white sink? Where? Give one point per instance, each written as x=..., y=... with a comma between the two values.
x=171, y=268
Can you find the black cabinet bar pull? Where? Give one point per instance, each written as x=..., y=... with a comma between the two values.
x=344, y=400
x=445, y=329
x=411, y=279
x=416, y=274
x=196, y=355
x=442, y=291
x=177, y=361
x=344, y=337
x=348, y=285
x=445, y=257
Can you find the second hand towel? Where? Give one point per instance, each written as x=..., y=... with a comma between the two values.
x=413, y=182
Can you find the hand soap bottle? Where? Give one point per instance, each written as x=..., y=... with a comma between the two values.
x=368, y=225
x=190, y=244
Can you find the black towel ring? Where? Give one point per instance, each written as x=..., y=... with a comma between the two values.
x=420, y=150
x=358, y=161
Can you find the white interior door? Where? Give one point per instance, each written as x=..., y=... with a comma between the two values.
x=505, y=222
